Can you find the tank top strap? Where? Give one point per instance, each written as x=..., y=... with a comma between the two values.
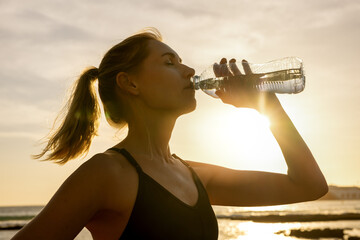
x=128, y=156
x=187, y=165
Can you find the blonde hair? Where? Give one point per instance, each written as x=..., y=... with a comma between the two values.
x=74, y=136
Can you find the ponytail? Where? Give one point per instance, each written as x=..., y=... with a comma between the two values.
x=74, y=136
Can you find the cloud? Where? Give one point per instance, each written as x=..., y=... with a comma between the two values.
x=21, y=120
x=45, y=46
x=30, y=26
x=53, y=42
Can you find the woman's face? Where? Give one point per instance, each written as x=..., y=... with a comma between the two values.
x=164, y=82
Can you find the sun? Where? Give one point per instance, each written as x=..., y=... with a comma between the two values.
x=241, y=139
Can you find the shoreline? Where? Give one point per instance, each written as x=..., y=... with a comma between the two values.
x=276, y=218
x=17, y=222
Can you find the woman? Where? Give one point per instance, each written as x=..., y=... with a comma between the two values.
x=138, y=189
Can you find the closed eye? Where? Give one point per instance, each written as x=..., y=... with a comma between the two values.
x=171, y=57
x=169, y=62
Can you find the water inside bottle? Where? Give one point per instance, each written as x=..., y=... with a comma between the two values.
x=283, y=81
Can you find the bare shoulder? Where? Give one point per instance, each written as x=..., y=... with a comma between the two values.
x=100, y=176
x=107, y=165
x=110, y=171
x=113, y=178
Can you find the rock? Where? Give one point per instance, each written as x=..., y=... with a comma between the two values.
x=315, y=233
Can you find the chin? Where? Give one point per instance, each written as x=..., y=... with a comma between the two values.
x=189, y=107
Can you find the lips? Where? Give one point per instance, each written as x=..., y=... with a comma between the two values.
x=190, y=86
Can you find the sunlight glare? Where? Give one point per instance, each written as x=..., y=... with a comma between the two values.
x=255, y=231
x=243, y=138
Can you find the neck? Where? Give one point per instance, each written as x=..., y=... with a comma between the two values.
x=150, y=136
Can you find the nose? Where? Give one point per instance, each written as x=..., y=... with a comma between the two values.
x=189, y=72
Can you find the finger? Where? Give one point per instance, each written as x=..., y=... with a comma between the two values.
x=219, y=68
x=216, y=69
x=237, y=82
x=246, y=67
x=234, y=68
x=219, y=93
x=224, y=70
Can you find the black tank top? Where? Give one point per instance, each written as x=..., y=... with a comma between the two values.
x=158, y=214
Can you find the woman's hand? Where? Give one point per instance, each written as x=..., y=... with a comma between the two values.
x=304, y=180
x=240, y=92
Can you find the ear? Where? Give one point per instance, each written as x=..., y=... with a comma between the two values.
x=127, y=83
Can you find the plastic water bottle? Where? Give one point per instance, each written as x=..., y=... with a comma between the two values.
x=284, y=75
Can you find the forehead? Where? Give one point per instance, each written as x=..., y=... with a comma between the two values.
x=157, y=49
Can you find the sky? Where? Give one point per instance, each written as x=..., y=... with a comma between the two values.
x=45, y=45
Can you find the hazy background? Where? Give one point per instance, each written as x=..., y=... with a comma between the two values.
x=46, y=44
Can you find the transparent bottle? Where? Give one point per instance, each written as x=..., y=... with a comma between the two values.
x=284, y=75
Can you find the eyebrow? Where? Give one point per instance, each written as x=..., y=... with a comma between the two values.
x=171, y=55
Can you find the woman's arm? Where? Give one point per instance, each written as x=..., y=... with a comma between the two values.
x=304, y=180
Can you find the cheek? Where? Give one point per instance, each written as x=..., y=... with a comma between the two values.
x=161, y=94
x=164, y=89
x=165, y=98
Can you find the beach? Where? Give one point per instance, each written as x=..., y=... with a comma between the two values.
x=331, y=219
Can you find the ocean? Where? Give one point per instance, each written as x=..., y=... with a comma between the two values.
x=332, y=219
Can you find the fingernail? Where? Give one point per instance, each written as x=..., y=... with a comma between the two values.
x=223, y=60
x=233, y=60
